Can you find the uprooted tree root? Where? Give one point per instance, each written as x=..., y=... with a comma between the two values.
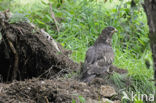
x=26, y=53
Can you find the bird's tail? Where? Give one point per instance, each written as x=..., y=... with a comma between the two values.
x=87, y=78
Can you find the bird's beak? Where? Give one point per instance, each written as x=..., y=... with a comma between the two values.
x=115, y=30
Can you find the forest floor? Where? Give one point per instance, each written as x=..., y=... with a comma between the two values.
x=56, y=91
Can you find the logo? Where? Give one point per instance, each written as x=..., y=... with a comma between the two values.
x=138, y=97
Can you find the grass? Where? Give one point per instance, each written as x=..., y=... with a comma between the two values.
x=82, y=22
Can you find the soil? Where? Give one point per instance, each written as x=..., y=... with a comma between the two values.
x=49, y=91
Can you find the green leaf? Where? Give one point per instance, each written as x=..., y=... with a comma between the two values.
x=82, y=99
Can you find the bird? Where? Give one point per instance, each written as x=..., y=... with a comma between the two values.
x=99, y=57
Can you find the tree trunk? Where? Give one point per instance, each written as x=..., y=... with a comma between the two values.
x=150, y=9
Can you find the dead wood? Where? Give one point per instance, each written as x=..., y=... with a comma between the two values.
x=53, y=17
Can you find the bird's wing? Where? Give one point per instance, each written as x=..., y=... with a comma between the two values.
x=104, y=58
x=105, y=55
x=90, y=55
x=89, y=60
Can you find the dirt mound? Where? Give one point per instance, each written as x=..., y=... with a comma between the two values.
x=27, y=51
x=53, y=91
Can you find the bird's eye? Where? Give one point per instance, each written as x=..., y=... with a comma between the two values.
x=112, y=31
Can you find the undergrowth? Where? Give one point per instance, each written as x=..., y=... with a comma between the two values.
x=80, y=23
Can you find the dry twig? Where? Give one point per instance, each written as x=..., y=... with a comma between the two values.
x=53, y=16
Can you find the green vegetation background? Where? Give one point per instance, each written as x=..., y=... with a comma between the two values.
x=80, y=23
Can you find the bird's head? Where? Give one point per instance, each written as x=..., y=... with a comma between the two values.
x=109, y=31
x=106, y=35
